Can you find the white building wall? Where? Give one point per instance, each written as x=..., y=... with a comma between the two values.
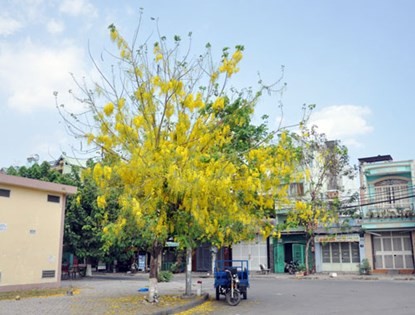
x=254, y=251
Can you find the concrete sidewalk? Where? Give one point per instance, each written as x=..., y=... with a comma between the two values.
x=103, y=293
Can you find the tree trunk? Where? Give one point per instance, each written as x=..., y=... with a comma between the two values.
x=88, y=272
x=214, y=251
x=307, y=247
x=154, y=268
x=188, y=290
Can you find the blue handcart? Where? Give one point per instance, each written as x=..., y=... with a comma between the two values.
x=224, y=269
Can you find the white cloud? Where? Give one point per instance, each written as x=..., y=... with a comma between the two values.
x=8, y=26
x=343, y=122
x=55, y=27
x=78, y=8
x=31, y=73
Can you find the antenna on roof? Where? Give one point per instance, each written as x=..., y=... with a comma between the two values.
x=34, y=158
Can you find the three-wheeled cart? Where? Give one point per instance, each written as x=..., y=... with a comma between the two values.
x=223, y=281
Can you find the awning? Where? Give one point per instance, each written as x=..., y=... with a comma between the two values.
x=172, y=244
x=388, y=226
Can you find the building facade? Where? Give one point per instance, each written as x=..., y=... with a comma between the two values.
x=332, y=248
x=339, y=248
x=387, y=199
x=31, y=232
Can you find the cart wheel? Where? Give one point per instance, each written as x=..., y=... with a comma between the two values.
x=217, y=294
x=233, y=301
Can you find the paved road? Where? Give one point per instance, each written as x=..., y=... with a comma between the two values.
x=269, y=294
x=324, y=296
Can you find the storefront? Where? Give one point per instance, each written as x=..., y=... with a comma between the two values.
x=339, y=252
x=392, y=250
x=290, y=247
x=390, y=246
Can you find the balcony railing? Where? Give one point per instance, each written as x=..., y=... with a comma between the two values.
x=388, y=210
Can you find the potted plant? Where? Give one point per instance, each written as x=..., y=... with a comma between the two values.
x=301, y=269
x=364, y=267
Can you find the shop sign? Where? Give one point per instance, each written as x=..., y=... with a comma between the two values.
x=337, y=238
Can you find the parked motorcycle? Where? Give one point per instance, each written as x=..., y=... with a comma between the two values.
x=134, y=267
x=233, y=295
x=292, y=267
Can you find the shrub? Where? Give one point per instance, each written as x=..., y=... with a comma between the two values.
x=364, y=267
x=165, y=276
x=177, y=267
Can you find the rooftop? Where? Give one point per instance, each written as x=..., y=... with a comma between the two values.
x=379, y=158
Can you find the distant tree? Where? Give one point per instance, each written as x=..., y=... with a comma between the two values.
x=175, y=148
x=44, y=172
x=84, y=223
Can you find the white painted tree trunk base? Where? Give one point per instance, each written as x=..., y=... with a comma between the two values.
x=88, y=270
x=152, y=291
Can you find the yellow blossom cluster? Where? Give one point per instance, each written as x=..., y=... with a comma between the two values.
x=230, y=65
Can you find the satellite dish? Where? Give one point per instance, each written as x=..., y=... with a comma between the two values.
x=33, y=158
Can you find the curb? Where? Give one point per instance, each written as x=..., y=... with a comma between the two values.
x=173, y=310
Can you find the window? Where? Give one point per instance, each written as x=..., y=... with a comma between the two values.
x=326, y=253
x=296, y=190
x=335, y=252
x=392, y=193
x=341, y=252
x=4, y=193
x=52, y=198
x=345, y=252
x=355, y=252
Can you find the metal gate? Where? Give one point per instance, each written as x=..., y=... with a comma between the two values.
x=279, y=257
x=393, y=250
x=299, y=253
x=204, y=257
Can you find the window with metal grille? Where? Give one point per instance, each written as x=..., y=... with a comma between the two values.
x=296, y=190
x=341, y=252
x=5, y=193
x=392, y=193
x=48, y=273
x=52, y=198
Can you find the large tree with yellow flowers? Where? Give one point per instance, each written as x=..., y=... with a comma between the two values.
x=178, y=150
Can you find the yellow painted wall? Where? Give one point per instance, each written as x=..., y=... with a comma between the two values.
x=29, y=237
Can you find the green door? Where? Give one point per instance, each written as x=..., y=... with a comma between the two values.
x=299, y=253
x=279, y=257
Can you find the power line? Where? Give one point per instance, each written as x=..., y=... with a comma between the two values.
x=378, y=202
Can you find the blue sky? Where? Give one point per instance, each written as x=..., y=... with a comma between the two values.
x=353, y=59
